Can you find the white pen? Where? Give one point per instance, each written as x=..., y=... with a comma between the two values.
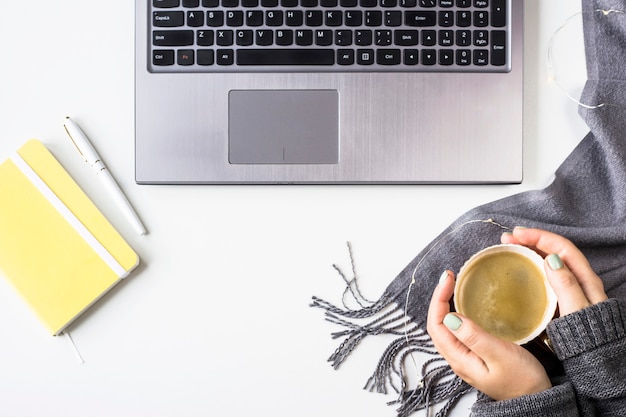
x=87, y=151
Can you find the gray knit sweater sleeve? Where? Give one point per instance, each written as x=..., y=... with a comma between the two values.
x=591, y=344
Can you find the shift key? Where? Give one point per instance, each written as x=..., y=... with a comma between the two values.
x=172, y=37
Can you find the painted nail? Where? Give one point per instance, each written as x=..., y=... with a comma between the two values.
x=554, y=261
x=443, y=277
x=452, y=321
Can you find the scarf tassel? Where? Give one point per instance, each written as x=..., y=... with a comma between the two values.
x=437, y=384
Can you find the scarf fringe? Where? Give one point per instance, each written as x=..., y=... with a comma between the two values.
x=438, y=383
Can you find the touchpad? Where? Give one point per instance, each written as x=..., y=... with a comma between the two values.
x=283, y=127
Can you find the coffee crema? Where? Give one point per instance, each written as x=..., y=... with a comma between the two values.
x=504, y=293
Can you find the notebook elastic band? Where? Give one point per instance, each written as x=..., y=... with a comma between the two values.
x=68, y=215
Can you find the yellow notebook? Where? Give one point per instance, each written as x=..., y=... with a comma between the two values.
x=56, y=248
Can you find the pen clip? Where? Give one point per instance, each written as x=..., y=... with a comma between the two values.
x=74, y=142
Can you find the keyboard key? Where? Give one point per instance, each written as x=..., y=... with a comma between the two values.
x=354, y=18
x=314, y=18
x=363, y=37
x=206, y=57
x=244, y=37
x=481, y=57
x=429, y=38
x=254, y=18
x=365, y=57
x=420, y=18
x=429, y=57
x=345, y=56
x=195, y=18
x=324, y=37
x=463, y=18
x=224, y=37
x=234, y=18
x=343, y=37
x=388, y=56
x=205, y=37
x=498, y=13
x=463, y=38
x=382, y=37
x=481, y=19
x=168, y=19
x=498, y=47
x=481, y=37
x=410, y=57
x=405, y=37
x=165, y=3
x=172, y=37
x=463, y=57
x=393, y=18
x=162, y=57
x=294, y=18
x=373, y=18
x=304, y=37
x=185, y=57
x=191, y=3
x=225, y=57
x=274, y=18
x=215, y=19
x=333, y=18
x=284, y=37
x=264, y=37
x=282, y=57
x=446, y=57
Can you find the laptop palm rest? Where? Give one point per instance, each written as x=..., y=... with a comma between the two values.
x=283, y=127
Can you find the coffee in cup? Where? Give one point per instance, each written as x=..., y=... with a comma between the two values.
x=504, y=289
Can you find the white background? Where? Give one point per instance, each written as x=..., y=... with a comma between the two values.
x=216, y=321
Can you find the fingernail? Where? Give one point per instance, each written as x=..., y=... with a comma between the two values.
x=554, y=261
x=520, y=227
x=452, y=321
x=507, y=233
x=443, y=277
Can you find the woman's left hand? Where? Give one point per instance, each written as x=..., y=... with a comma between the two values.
x=498, y=368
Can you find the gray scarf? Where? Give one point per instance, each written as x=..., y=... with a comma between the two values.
x=586, y=203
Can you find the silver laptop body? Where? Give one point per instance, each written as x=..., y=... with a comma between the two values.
x=377, y=123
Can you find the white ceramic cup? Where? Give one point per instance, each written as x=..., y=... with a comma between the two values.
x=492, y=280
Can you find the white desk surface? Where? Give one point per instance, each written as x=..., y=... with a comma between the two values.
x=216, y=321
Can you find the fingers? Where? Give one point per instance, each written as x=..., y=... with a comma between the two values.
x=482, y=360
x=569, y=293
x=572, y=278
x=461, y=341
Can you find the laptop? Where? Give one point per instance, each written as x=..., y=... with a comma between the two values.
x=328, y=91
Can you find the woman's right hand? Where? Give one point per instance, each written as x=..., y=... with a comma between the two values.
x=576, y=285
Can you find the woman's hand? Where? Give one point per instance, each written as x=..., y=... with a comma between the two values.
x=498, y=368
x=576, y=285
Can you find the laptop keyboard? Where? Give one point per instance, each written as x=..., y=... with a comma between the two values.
x=329, y=35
